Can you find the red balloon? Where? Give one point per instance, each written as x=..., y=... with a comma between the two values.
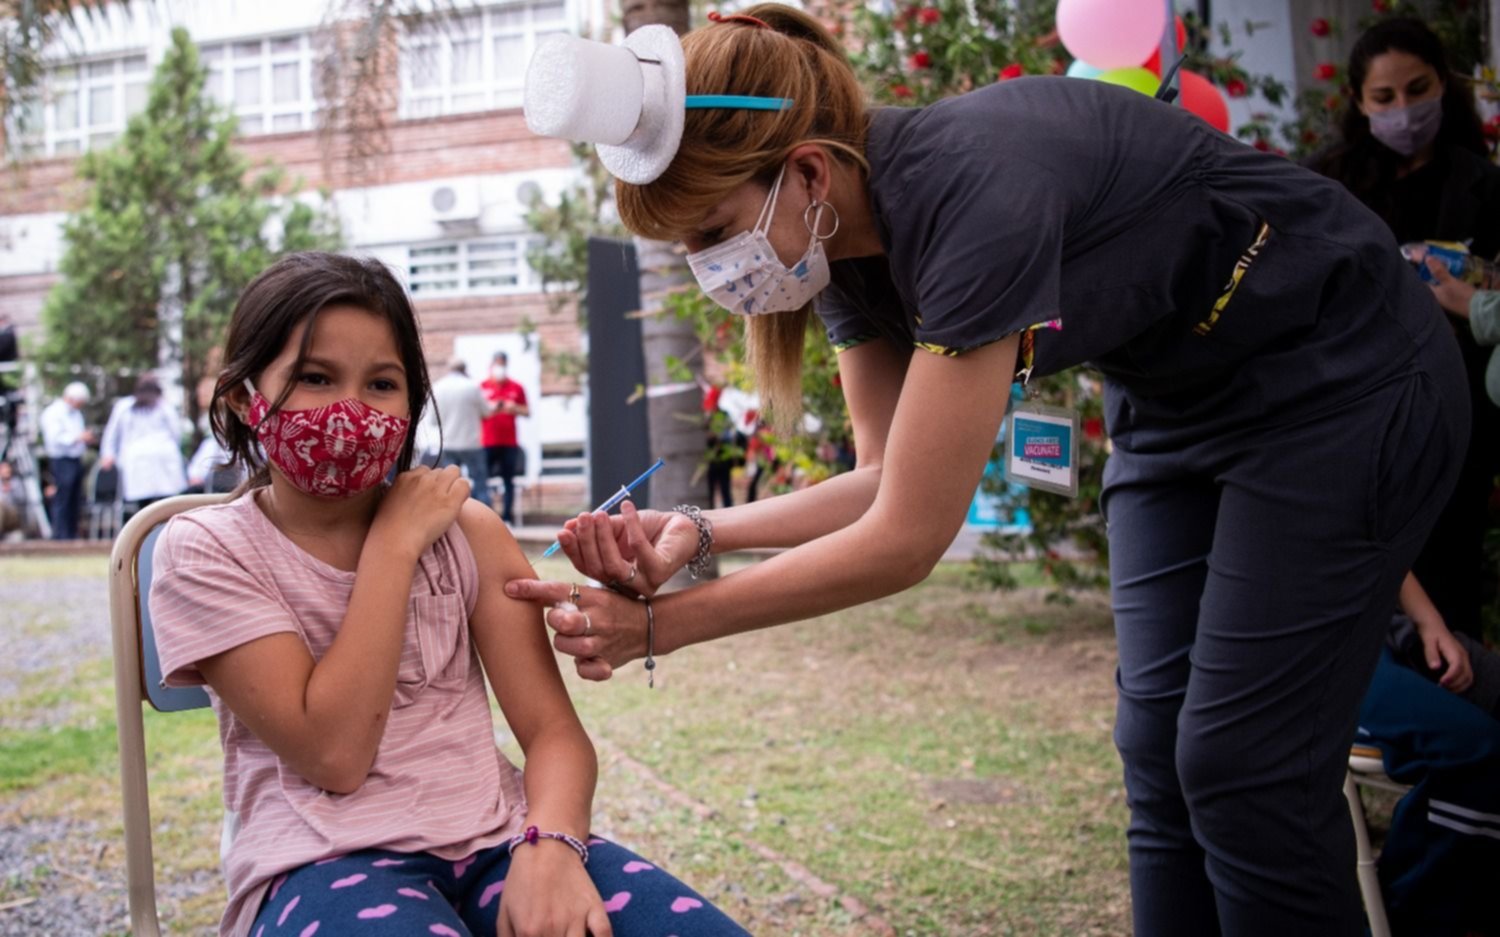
x=1153, y=64
x=1201, y=97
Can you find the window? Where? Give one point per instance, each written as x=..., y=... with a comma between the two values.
x=476, y=61
x=480, y=265
x=267, y=82
x=83, y=104
x=563, y=460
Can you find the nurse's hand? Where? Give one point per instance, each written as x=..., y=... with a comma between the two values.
x=1452, y=294
x=601, y=630
x=635, y=551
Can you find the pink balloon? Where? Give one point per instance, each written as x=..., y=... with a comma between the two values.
x=1111, y=34
x=1201, y=97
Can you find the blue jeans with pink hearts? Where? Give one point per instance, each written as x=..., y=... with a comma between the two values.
x=376, y=892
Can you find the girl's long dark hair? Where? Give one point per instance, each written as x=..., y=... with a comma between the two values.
x=292, y=291
x=1364, y=165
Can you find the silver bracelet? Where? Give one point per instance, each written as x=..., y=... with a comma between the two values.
x=698, y=565
x=650, y=645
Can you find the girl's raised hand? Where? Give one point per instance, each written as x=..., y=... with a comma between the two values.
x=548, y=893
x=419, y=508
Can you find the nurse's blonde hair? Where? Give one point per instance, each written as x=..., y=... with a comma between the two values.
x=767, y=50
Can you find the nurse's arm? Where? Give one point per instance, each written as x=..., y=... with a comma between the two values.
x=662, y=542
x=940, y=439
x=871, y=374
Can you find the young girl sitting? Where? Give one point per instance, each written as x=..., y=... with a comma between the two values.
x=340, y=623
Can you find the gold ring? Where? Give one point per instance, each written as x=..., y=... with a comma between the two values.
x=574, y=594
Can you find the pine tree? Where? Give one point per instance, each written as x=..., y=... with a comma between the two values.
x=175, y=224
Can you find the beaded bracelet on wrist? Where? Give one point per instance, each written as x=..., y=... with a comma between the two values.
x=533, y=835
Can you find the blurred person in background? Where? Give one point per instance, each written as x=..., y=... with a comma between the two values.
x=1413, y=150
x=502, y=447
x=144, y=439
x=461, y=409
x=12, y=503
x=65, y=437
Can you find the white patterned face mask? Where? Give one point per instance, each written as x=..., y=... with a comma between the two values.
x=745, y=276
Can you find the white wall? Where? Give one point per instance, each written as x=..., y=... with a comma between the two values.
x=30, y=244
x=1267, y=47
x=402, y=214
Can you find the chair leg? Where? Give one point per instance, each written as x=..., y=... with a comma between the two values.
x=1369, y=877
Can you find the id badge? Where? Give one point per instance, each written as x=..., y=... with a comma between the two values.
x=1041, y=448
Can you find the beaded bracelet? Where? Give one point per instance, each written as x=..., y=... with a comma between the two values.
x=698, y=565
x=533, y=834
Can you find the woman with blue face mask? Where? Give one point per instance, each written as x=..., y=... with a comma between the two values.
x=1282, y=396
x=1412, y=150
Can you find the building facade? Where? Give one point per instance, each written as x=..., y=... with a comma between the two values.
x=438, y=192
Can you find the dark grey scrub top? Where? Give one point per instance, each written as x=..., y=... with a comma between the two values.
x=1129, y=221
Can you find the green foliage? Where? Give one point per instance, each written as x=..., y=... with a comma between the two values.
x=807, y=458
x=586, y=210
x=920, y=54
x=561, y=255
x=174, y=226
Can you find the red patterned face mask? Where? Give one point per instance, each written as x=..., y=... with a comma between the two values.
x=333, y=451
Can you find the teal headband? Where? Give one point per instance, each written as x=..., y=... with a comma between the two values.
x=742, y=102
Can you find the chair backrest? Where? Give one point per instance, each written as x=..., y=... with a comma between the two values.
x=162, y=699
x=137, y=682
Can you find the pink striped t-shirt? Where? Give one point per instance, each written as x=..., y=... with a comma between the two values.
x=224, y=575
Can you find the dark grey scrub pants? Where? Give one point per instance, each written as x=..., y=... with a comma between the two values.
x=1254, y=575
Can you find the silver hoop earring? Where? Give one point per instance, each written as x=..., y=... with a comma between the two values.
x=811, y=221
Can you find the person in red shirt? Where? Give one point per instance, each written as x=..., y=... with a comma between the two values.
x=503, y=452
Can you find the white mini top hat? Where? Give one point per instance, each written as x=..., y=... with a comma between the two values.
x=629, y=101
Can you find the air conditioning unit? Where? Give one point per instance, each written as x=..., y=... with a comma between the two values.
x=454, y=204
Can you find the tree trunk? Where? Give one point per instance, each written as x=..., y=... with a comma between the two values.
x=676, y=418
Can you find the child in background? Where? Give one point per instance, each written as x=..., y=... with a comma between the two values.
x=340, y=624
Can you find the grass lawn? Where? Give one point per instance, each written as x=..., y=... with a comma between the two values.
x=937, y=763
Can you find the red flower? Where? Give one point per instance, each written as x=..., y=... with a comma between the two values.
x=1333, y=102
x=1013, y=70
x=1380, y=6
x=1261, y=144
x=1236, y=88
x=929, y=16
x=1093, y=428
x=838, y=379
x=900, y=91
x=921, y=60
x=1325, y=71
x=1309, y=136
x=1320, y=27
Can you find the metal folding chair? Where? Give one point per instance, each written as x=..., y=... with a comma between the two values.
x=1367, y=769
x=138, y=682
